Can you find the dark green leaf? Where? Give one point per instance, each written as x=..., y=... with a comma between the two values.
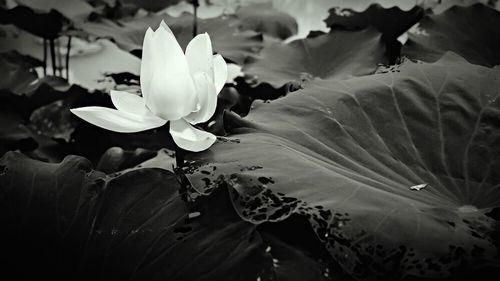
x=390, y=22
x=332, y=55
x=17, y=72
x=128, y=34
x=264, y=18
x=471, y=32
x=152, y=5
x=74, y=10
x=46, y=25
x=346, y=154
x=21, y=92
x=116, y=159
x=79, y=224
x=224, y=32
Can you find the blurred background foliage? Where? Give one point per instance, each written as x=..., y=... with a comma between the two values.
x=59, y=54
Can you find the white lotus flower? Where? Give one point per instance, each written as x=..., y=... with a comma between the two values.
x=176, y=87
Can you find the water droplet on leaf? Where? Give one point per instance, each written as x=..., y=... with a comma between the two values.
x=418, y=186
x=194, y=215
x=467, y=209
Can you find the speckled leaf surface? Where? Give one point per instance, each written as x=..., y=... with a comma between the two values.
x=347, y=154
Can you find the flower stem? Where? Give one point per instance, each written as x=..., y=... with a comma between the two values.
x=68, y=48
x=44, y=57
x=195, y=17
x=53, y=56
x=59, y=57
x=179, y=157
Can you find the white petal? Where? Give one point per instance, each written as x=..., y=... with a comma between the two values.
x=128, y=102
x=171, y=91
x=164, y=25
x=199, y=55
x=117, y=121
x=220, y=72
x=146, y=62
x=233, y=72
x=189, y=138
x=207, y=97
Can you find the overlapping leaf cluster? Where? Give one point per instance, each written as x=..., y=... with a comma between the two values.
x=367, y=150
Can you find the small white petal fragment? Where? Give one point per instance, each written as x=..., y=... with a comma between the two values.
x=418, y=186
x=417, y=30
x=233, y=72
x=467, y=209
x=128, y=103
x=403, y=38
x=189, y=138
x=117, y=121
x=194, y=215
x=220, y=72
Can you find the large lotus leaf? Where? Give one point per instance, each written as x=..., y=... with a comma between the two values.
x=391, y=22
x=310, y=15
x=75, y=10
x=46, y=25
x=395, y=170
x=338, y=54
x=471, y=32
x=266, y=19
x=301, y=256
x=68, y=222
x=17, y=72
x=224, y=31
x=152, y=5
x=205, y=9
x=439, y=7
x=127, y=33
